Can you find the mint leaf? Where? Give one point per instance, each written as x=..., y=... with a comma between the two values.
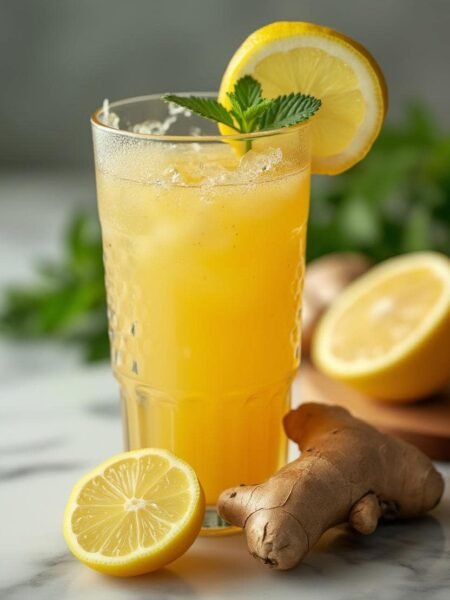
x=249, y=110
x=257, y=111
x=247, y=92
x=288, y=110
x=205, y=107
x=247, y=102
x=236, y=112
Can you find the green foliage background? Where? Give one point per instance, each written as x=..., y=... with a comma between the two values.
x=396, y=200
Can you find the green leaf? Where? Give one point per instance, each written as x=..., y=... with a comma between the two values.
x=359, y=222
x=257, y=110
x=247, y=92
x=288, y=110
x=247, y=103
x=249, y=116
x=236, y=112
x=67, y=300
x=205, y=107
x=249, y=110
x=416, y=234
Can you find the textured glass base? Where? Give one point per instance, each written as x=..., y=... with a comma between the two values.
x=213, y=524
x=243, y=444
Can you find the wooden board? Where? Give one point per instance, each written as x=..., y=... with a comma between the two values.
x=425, y=424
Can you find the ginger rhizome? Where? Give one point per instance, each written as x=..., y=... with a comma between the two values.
x=347, y=472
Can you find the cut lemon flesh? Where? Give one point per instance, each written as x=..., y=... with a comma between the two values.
x=388, y=333
x=302, y=57
x=134, y=513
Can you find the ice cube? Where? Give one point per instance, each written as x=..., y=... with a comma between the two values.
x=255, y=163
x=172, y=175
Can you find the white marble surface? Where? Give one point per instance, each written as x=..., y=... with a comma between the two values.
x=54, y=428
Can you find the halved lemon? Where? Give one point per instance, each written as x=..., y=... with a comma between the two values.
x=388, y=333
x=302, y=57
x=134, y=513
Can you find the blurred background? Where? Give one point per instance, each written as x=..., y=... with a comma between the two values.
x=59, y=59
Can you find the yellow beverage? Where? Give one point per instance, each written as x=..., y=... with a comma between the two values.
x=204, y=256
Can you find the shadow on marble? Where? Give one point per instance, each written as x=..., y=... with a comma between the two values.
x=198, y=570
x=415, y=545
x=109, y=409
x=155, y=586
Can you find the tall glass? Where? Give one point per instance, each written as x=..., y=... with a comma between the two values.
x=204, y=248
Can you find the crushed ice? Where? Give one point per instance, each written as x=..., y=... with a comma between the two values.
x=176, y=109
x=253, y=164
x=251, y=167
x=172, y=175
x=155, y=127
x=109, y=118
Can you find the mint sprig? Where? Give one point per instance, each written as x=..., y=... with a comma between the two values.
x=249, y=111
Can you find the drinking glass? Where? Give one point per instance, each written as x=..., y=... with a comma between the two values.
x=204, y=250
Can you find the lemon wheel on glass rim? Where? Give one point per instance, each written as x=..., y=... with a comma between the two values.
x=290, y=57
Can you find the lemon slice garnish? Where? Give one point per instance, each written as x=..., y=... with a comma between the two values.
x=301, y=57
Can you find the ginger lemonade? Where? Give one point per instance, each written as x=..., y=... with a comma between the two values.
x=204, y=247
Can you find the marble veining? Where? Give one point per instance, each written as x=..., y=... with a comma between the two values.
x=33, y=447
x=54, y=428
x=37, y=469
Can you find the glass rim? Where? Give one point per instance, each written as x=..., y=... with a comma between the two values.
x=237, y=137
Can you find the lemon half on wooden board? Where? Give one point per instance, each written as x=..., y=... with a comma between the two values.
x=290, y=57
x=134, y=513
x=388, y=333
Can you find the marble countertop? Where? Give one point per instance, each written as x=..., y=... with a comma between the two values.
x=56, y=427
x=58, y=419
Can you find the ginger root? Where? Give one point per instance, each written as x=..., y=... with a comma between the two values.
x=347, y=472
